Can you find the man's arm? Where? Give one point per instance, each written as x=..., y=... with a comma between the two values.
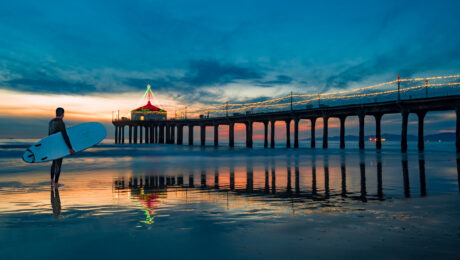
x=66, y=137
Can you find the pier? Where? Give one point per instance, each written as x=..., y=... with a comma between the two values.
x=412, y=99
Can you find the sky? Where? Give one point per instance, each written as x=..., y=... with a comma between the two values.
x=95, y=57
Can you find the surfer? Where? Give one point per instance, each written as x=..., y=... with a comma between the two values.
x=57, y=125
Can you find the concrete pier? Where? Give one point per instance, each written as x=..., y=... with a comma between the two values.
x=164, y=131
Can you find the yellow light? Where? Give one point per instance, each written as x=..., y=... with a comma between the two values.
x=345, y=94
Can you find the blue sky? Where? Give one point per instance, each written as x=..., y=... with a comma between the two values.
x=195, y=51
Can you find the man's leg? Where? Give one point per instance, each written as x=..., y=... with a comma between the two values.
x=53, y=170
x=57, y=170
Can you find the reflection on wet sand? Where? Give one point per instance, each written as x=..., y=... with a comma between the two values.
x=55, y=201
x=275, y=181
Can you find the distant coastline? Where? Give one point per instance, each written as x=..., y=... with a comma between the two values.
x=441, y=137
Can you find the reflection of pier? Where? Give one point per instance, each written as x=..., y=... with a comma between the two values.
x=293, y=188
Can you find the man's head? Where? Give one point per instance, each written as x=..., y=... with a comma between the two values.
x=59, y=112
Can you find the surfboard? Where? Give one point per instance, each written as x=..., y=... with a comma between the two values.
x=53, y=147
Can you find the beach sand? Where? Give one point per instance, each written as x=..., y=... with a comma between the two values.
x=169, y=202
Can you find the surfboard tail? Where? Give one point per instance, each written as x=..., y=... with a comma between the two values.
x=28, y=156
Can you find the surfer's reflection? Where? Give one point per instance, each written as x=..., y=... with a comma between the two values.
x=55, y=201
x=458, y=172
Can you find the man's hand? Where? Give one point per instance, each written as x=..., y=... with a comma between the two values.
x=71, y=151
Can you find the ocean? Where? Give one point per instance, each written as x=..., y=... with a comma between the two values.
x=170, y=202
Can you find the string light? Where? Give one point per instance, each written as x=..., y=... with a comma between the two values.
x=308, y=98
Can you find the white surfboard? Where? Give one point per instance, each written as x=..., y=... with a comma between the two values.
x=54, y=147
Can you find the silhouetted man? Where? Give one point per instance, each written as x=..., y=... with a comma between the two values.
x=55, y=126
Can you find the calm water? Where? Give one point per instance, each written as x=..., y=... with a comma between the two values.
x=168, y=202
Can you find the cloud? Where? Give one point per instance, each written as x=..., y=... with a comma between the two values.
x=200, y=81
x=50, y=85
x=164, y=83
x=280, y=80
x=212, y=72
x=404, y=61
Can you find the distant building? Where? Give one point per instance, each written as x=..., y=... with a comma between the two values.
x=148, y=112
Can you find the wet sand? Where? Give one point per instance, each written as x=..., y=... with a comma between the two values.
x=232, y=204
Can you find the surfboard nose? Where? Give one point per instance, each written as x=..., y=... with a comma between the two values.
x=28, y=156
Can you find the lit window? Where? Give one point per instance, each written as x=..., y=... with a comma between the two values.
x=142, y=117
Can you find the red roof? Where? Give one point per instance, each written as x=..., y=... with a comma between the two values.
x=149, y=107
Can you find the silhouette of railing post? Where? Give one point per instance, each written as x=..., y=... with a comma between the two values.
x=216, y=135
x=168, y=134
x=123, y=134
x=378, y=128
x=265, y=134
x=162, y=134
x=288, y=133
x=151, y=134
x=421, y=141
x=405, y=117
x=342, y=131
x=191, y=181
x=130, y=133
x=190, y=134
x=165, y=134
x=158, y=133
x=147, y=138
x=231, y=135
x=172, y=136
x=361, y=116
x=249, y=134
x=313, y=135
x=325, y=131
x=180, y=134
x=203, y=134
x=135, y=135
x=296, y=132
x=141, y=134
x=272, y=134
x=116, y=134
